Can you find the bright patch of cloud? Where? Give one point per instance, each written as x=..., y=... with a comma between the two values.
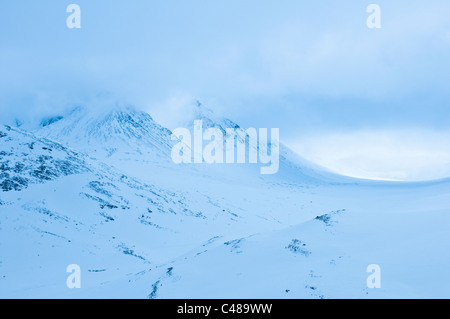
x=394, y=155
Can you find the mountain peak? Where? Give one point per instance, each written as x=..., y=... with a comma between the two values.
x=202, y=111
x=208, y=117
x=119, y=129
x=105, y=112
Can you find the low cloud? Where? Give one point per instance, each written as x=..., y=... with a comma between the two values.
x=407, y=155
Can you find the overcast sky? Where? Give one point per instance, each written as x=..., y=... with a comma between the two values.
x=363, y=102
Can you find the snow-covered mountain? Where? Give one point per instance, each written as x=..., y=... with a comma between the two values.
x=121, y=130
x=99, y=189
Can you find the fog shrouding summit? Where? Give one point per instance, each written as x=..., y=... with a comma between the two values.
x=312, y=69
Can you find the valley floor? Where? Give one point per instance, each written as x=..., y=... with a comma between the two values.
x=283, y=241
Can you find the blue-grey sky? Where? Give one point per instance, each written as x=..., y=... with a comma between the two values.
x=313, y=69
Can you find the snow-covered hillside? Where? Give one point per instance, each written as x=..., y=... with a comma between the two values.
x=119, y=132
x=100, y=190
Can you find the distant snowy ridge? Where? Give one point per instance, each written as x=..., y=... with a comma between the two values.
x=127, y=134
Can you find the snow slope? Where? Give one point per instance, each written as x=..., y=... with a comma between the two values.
x=120, y=131
x=98, y=189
